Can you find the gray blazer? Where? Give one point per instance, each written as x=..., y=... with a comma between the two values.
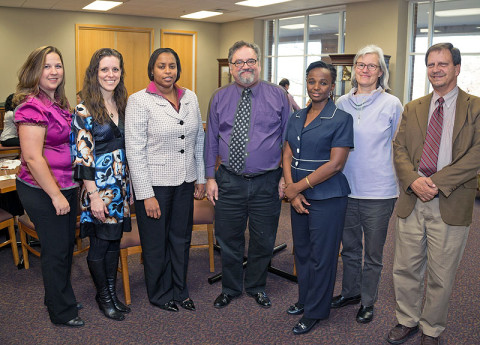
x=164, y=148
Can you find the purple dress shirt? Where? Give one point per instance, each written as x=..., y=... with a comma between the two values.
x=270, y=112
x=41, y=111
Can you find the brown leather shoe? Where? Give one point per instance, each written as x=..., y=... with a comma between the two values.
x=400, y=333
x=428, y=340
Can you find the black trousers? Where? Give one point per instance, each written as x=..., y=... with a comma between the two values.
x=240, y=200
x=166, y=242
x=57, y=238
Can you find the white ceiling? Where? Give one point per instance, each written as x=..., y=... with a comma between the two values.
x=176, y=8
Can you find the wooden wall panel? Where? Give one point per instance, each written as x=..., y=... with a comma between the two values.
x=184, y=43
x=135, y=48
x=135, y=45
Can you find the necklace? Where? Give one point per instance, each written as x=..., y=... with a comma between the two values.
x=359, y=108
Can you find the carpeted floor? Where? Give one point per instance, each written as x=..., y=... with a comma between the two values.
x=24, y=320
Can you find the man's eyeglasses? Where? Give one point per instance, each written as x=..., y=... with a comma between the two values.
x=371, y=67
x=241, y=63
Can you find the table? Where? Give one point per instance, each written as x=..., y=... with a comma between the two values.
x=8, y=185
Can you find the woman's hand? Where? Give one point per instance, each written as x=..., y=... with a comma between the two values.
x=152, y=208
x=199, y=191
x=61, y=204
x=291, y=191
x=98, y=207
x=132, y=199
x=298, y=204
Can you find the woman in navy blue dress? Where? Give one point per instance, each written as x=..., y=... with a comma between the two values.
x=318, y=140
x=98, y=143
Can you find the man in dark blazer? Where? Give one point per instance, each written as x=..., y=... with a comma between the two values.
x=438, y=180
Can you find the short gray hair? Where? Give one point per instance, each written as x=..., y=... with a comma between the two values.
x=372, y=49
x=240, y=44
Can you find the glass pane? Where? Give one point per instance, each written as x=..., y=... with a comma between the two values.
x=299, y=100
x=290, y=40
x=470, y=75
x=292, y=69
x=313, y=58
x=458, y=22
x=418, y=77
x=269, y=70
x=270, y=46
x=323, y=33
x=420, y=27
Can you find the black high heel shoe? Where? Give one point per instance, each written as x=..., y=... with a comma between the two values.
x=169, y=306
x=188, y=304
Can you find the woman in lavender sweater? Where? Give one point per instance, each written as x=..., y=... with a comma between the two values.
x=371, y=176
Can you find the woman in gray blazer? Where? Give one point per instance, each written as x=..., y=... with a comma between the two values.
x=164, y=141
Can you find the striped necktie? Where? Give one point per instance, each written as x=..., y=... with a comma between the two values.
x=238, y=139
x=428, y=162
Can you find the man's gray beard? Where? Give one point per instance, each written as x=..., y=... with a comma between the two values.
x=246, y=80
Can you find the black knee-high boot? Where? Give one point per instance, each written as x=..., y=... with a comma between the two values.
x=111, y=266
x=105, y=303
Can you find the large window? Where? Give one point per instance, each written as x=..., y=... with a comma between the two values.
x=293, y=43
x=431, y=22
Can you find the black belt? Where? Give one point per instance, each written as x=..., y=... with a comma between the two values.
x=246, y=176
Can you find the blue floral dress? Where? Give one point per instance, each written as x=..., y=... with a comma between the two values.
x=99, y=155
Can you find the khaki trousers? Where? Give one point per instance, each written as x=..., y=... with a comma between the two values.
x=424, y=242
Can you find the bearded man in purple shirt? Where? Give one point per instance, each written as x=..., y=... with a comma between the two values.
x=246, y=123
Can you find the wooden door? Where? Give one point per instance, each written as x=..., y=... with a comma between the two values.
x=136, y=50
x=135, y=45
x=185, y=44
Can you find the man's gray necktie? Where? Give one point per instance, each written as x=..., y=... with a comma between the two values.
x=238, y=139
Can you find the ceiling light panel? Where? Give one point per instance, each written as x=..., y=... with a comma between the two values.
x=102, y=5
x=260, y=3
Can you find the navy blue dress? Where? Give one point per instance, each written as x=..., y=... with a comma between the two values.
x=99, y=155
x=317, y=235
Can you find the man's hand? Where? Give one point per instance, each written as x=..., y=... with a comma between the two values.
x=212, y=190
x=281, y=186
x=424, y=188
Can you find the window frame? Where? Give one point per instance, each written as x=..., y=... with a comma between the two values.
x=306, y=19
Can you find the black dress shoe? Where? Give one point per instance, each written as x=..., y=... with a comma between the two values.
x=262, y=299
x=79, y=306
x=304, y=325
x=295, y=309
x=365, y=314
x=169, y=306
x=76, y=322
x=222, y=300
x=340, y=301
x=188, y=304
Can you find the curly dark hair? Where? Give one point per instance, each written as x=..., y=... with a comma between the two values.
x=91, y=93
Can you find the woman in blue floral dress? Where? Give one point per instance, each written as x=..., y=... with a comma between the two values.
x=99, y=148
